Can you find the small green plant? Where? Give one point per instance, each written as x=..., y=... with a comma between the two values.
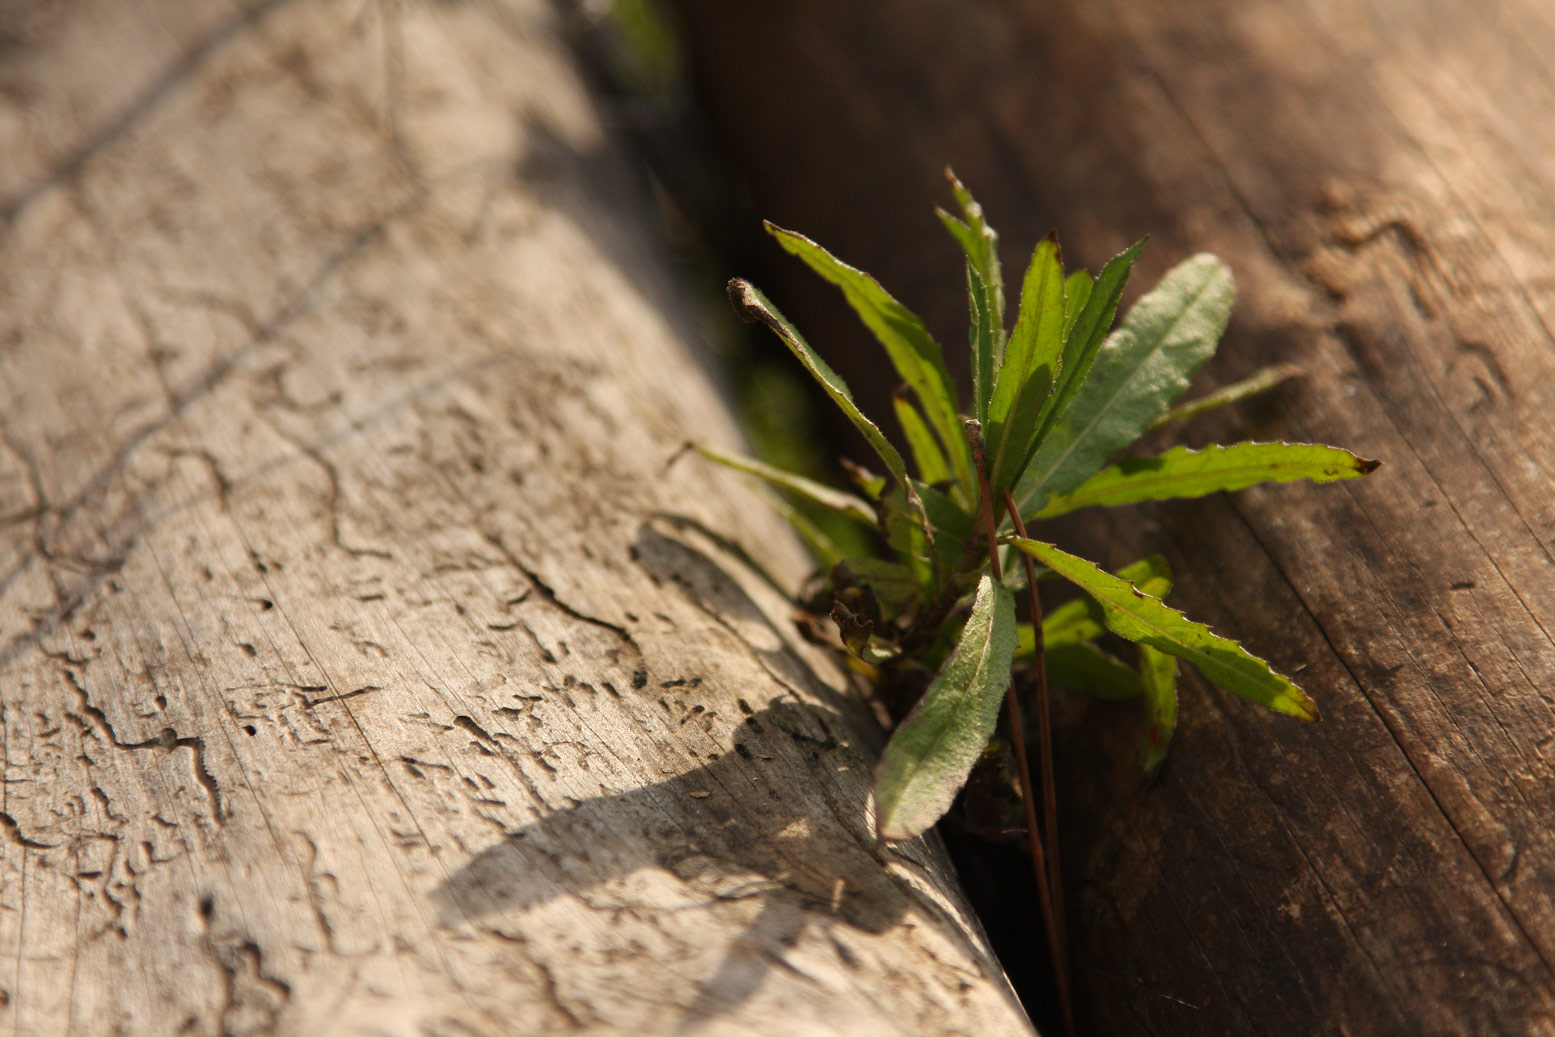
x=1053, y=401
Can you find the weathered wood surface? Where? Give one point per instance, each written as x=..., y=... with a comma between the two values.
x=1381, y=177
x=364, y=670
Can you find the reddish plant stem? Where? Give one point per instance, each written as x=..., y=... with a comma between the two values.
x=1044, y=740
x=1045, y=889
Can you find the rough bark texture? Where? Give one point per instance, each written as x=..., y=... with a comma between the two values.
x=364, y=669
x=1381, y=177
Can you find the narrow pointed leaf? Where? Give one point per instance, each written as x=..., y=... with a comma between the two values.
x=1158, y=678
x=917, y=357
x=1077, y=289
x=965, y=236
x=1145, y=620
x=823, y=547
x=906, y=533
x=931, y=753
x=1084, y=335
x=1030, y=364
x=1081, y=619
x=1260, y=381
x=842, y=503
x=949, y=520
x=932, y=467
x=984, y=336
x=870, y=484
x=894, y=585
x=1086, y=669
x=1181, y=472
x=981, y=244
x=1138, y=372
x=755, y=308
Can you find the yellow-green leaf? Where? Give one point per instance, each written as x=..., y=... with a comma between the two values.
x=1077, y=291
x=1158, y=678
x=932, y=467
x=1086, y=669
x=1181, y=472
x=1025, y=375
x=1081, y=619
x=1137, y=616
x=1140, y=369
x=755, y=308
x=1259, y=381
x=842, y=503
x=917, y=357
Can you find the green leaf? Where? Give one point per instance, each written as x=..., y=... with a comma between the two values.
x=906, y=533
x=755, y=308
x=913, y=351
x=951, y=524
x=823, y=547
x=1145, y=620
x=1158, y=677
x=895, y=585
x=843, y=503
x=1258, y=382
x=1138, y=372
x=981, y=245
x=1181, y=472
x=985, y=337
x=1084, y=336
x=869, y=484
x=1071, y=623
x=929, y=756
x=1077, y=290
x=1030, y=363
x=1087, y=669
x=1081, y=619
x=926, y=453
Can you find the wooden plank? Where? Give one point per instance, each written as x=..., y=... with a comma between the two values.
x=1381, y=177
x=363, y=667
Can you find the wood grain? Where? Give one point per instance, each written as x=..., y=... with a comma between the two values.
x=1381, y=177
x=364, y=667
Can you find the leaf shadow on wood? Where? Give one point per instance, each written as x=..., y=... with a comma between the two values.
x=777, y=816
x=800, y=848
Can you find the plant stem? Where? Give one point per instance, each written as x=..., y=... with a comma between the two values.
x=1044, y=741
x=1045, y=889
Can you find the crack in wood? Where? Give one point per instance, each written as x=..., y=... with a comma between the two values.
x=167, y=739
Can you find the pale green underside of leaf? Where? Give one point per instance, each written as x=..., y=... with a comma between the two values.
x=930, y=754
x=1138, y=617
x=1138, y=372
x=843, y=503
x=917, y=357
x=1259, y=381
x=1158, y=678
x=1182, y=472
